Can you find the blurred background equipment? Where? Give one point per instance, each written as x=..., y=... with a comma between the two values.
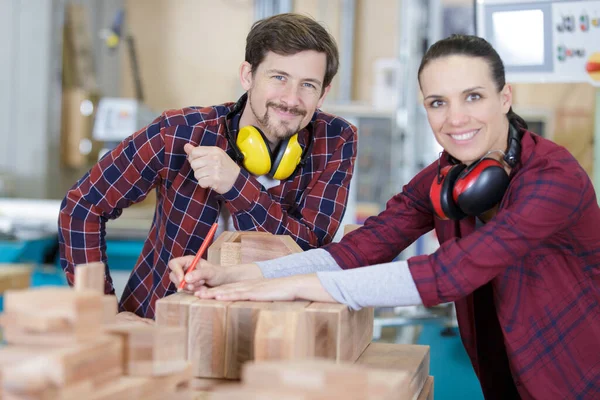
x=547, y=42
x=117, y=118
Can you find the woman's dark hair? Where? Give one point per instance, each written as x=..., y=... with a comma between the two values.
x=472, y=46
x=288, y=34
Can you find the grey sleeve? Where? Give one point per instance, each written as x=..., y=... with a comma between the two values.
x=382, y=285
x=307, y=262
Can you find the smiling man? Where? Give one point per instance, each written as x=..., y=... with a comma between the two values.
x=272, y=159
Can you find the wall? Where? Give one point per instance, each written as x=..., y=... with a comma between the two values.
x=189, y=54
x=30, y=39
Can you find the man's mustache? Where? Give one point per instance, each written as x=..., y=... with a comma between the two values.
x=291, y=110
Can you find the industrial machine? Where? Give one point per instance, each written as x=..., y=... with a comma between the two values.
x=545, y=41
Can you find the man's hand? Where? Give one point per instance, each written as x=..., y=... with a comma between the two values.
x=213, y=168
x=208, y=274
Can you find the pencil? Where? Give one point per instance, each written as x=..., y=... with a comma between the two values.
x=200, y=252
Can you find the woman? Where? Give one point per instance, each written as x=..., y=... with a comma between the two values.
x=520, y=254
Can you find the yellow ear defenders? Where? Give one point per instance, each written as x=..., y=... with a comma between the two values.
x=251, y=148
x=258, y=159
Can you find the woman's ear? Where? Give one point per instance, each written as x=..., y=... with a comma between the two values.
x=246, y=77
x=506, y=98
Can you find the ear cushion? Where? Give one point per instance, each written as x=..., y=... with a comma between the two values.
x=252, y=143
x=440, y=193
x=289, y=155
x=480, y=187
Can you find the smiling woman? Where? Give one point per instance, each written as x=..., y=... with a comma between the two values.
x=519, y=258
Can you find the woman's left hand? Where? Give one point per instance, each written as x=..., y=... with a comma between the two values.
x=280, y=289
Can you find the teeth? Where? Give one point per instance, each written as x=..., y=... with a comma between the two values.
x=464, y=136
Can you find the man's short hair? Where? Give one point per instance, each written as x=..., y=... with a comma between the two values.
x=288, y=34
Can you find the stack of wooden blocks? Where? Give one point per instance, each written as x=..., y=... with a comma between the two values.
x=63, y=343
x=317, y=344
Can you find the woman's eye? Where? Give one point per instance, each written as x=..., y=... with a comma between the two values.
x=473, y=96
x=436, y=104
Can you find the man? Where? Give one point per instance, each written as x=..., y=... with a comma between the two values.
x=192, y=158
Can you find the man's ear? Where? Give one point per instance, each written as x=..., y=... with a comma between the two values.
x=506, y=98
x=246, y=77
x=322, y=99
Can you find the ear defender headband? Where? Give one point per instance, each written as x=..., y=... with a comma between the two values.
x=251, y=148
x=460, y=191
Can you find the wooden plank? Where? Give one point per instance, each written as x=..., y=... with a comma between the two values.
x=317, y=377
x=341, y=334
x=242, y=318
x=14, y=276
x=413, y=359
x=93, y=362
x=267, y=247
x=90, y=277
x=427, y=392
x=206, y=339
x=173, y=310
x=283, y=335
x=151, y=350
x=51, y=316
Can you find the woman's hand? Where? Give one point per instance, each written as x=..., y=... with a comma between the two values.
x=305, y=287
x=208, y=274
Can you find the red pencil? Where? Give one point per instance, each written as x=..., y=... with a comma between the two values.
x=200, y=252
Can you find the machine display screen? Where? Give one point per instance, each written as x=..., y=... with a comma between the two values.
x=519, y=36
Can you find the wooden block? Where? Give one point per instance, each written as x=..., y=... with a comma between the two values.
x=123, y=388
x=90, y=277
x=110, y=308
x=229, y=254
x=320, y=376
x=267, y=247
x=206, y=339
x=91, y=363
x=242, y=318
x=283, y=335
x=350, y=227
x=211, y=384
x=151, y=350
x=341, y=334
x=173, y=310
x=413, y=359
x=51, y=316
x=427, y=392
x=14, y=276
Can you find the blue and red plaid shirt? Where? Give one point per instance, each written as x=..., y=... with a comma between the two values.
x=526, y=284
x=308, y=206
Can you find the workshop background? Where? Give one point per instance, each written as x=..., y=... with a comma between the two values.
x=69, y=67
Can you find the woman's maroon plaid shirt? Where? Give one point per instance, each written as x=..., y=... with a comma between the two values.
x=526, y=284
x=308, y=206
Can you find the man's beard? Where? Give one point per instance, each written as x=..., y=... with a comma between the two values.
x=272, y=129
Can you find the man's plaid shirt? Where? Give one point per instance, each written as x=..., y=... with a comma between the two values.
x=308, y=206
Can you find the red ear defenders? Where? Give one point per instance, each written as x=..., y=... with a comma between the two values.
x=460, y=191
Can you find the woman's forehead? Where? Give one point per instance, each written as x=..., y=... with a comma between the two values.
x=455, y=74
